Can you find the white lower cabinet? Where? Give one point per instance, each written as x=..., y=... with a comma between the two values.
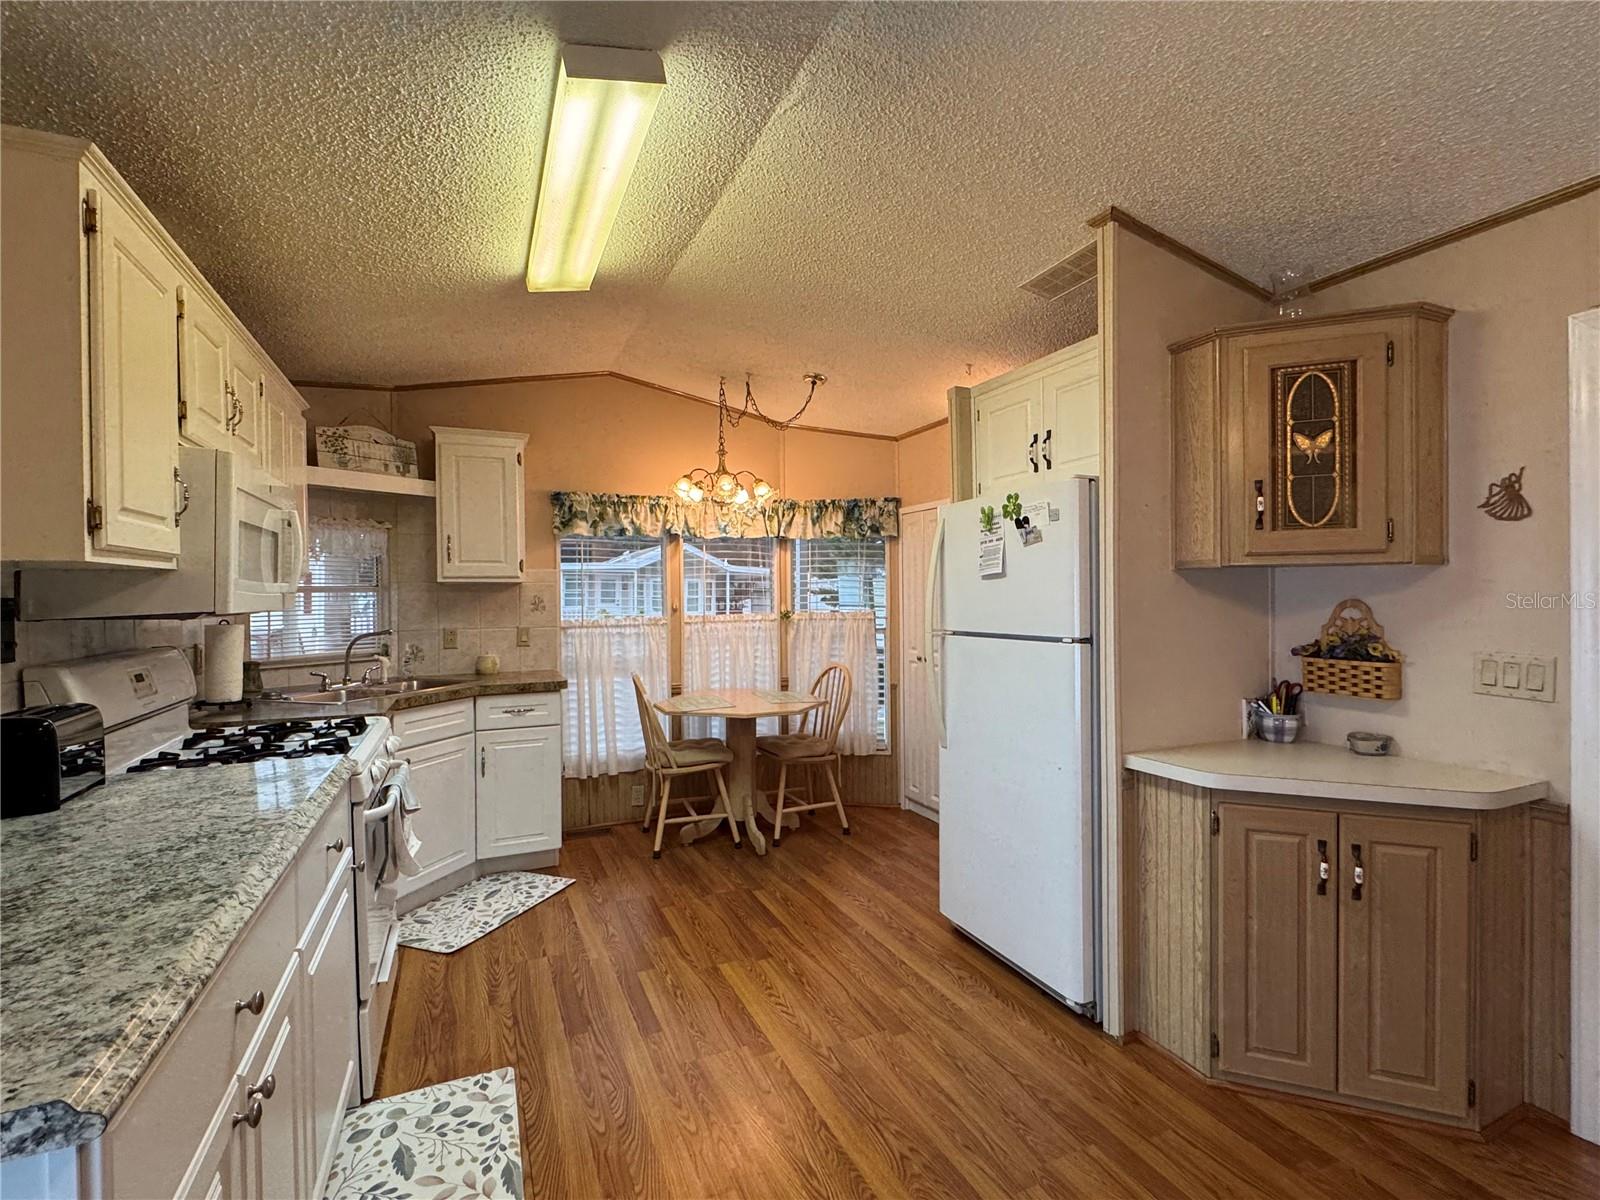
x=442, y=786
x=515, y=813
x=275, y=1161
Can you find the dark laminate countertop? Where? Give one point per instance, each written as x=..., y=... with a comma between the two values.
x=461, y=687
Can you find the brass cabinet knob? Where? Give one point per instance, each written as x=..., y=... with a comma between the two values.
x=254, y=1004
x=251, y=1115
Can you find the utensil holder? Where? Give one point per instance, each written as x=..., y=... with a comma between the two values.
x=1272, y=727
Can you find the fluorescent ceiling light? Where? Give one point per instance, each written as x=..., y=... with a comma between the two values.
x=605, y=98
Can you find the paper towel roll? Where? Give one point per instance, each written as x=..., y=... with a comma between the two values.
x=224, y=674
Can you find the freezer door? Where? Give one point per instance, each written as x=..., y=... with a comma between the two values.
x=1016, y=818
x=1046, y=590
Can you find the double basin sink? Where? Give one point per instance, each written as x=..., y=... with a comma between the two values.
x=369, y=691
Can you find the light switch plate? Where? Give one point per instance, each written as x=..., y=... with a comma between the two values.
x=1514, y=676
x=449, y=639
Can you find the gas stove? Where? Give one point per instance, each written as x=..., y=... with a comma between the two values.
x=228, y=744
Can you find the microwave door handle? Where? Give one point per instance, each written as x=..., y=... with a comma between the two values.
x=297, y=531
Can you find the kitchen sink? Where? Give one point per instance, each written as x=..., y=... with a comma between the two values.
x=369, y=691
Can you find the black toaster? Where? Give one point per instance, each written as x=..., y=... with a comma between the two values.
x=48, y=755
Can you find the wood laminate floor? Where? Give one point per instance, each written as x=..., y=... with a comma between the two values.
x=806, y=1024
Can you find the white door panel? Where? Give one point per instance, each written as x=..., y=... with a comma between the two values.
x=919, y=742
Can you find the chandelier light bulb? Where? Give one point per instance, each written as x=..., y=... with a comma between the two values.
x=741, y=497
x=682, y=486
x=763, y=489
x=726, y=483
x=697, y=494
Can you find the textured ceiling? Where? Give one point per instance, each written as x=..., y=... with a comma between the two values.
x=856, y=189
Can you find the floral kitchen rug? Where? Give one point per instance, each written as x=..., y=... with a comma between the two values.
x=444, y=1142
x=458, y=918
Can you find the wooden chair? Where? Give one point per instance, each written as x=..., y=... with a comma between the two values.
x=667, y=760
x=815, y=746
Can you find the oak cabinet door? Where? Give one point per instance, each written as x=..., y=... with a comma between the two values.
x=1008, y=426
x=519, y=790
x=442, y=783
x=1404, y=961
x=1277, y=920
x=207, y=403
x=134, y=388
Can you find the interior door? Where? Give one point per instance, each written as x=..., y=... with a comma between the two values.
x=443, y=784
x=1276, y=922
x=207, y=406
x=1008, y=425
x=1403, y=961
x=919, y=741
x=134, y=391
x=519, y=790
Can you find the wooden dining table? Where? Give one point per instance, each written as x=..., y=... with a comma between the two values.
x=741, y=708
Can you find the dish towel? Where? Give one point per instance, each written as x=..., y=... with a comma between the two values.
x=402, y=837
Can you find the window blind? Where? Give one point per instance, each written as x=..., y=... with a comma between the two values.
x=340, y=596
x=836, y=575
x=603, y=577
x=722, y=576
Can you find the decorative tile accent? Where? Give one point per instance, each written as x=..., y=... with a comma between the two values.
x=452, y=1140
x=461, y=917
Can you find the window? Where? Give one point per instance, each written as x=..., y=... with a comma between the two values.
x=722, y=576
x=341, y=595
x=730, y=626
x=841, y=607
x=604, y=577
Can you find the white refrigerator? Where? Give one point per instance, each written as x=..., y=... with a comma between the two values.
x=1011, y=616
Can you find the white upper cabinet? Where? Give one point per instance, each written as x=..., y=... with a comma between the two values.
x=1037, y=420
x=117, y=352
x=480, y=510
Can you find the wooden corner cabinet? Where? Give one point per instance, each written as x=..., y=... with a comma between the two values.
x=1312, y=441
x=1369, y=954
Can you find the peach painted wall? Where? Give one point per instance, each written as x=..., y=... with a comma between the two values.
x=605, y=434
x=923, y=465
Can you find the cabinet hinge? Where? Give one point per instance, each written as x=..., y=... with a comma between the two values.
x=1388, y=529
x=91, y=217
x=1216, y=823
x=520, y=567
x=1472, y=1093
x=1216, y=1047
x=1472, y=847
x=1388, y=354
x=94, y=515
x=183, y=412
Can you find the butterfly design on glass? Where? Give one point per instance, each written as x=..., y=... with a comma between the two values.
x=1505, y=501
x=1312, y=447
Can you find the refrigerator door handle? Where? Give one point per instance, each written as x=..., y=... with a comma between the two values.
x=935, y=677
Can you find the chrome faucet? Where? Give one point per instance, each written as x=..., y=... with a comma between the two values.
x=360, y=637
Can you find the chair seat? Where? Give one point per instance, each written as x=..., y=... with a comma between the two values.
x=794, y=745
x=694, y=752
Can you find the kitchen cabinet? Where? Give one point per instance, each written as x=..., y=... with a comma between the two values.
x=480, y=511
x=1037, y=420
x=271, y=1152
x=1312, y=441
x=128, y=354
x=519, y=790
x=443, y=784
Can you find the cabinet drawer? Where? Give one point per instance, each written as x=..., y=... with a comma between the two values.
x=513, y=712
x=318, y=859
x=419, y=726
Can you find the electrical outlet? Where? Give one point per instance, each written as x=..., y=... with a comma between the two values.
x=524, y=635
x=1514, y=676
x=449, y=639
x=638, y=795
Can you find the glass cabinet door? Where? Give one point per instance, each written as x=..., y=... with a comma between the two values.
x=1315, y=433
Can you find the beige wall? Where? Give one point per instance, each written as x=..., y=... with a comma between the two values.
x=1513, y=288
x=923, y=465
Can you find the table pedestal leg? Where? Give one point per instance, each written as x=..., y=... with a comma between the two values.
x=741, y=784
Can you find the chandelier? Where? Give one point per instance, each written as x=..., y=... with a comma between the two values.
x=743, y=492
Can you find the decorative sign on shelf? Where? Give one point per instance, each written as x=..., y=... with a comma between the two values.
x=1505, y=501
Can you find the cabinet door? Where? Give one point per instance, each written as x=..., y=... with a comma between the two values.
x=519, y=790
x=275, y=438
x=330, y=994
x=919, y=742
x=275, y=1157
x=1276, y=926
x=442, y=782
x=1314, y=422
x=1008, y=426
x=213, y=1173
x=207, y=406
x=480, y=507
x=134, y=386
x=1070, y=443
x=248, y=379
x=1404, y=960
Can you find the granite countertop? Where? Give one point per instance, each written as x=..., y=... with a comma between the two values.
x=118, y=910
x=1335, y=773
x=458, y=687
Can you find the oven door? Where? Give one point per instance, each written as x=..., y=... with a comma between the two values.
x=262, y=548
x=380, y=924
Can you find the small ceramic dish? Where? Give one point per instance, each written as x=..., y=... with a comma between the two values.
x=1372, y=744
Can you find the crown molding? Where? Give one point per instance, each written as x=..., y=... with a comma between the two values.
x=1171, y=245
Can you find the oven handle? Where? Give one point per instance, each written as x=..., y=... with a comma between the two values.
x=382, y=811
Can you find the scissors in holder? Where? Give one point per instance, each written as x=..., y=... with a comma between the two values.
x=1286, y=698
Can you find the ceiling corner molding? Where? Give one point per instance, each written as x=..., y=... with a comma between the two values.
x=1517, y=211
x=342, y=387
x=911, y=433
x=1155, y=237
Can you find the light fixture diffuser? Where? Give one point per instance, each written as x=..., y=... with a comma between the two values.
x=605, y=98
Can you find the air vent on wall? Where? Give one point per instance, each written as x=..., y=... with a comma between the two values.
x=1077, y=269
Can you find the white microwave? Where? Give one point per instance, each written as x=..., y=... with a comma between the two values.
x=242, y=549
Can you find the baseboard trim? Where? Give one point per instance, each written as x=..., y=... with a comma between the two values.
x=922, y=810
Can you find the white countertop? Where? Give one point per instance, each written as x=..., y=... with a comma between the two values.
x=1314, y=769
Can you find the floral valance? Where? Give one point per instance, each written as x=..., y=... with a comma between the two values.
x=611, y=514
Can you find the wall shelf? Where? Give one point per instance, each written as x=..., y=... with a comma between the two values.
x=362, y=481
